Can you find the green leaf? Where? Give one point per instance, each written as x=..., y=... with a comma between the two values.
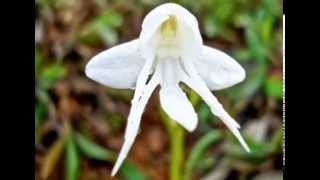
x=224, y=10
x=194, y=97
x=92, y=149
x=276, y=140
x=273, y=86
x=89, y=35
x=255, y=45
x=259, y=150
x=116, y=120
x=102, y=27
x=40, y=112
x=110, y=18
x=207, y=162
x=204, y=113
x=72, y=159
x=210, y=27
x=123, y=94
x=52, y=73
x=108, y=35
x=266, y=29
x=243, y=55
x=258, y=153
x=272, y=7
x=199, y=148
x=243, y=20
x=130, y=172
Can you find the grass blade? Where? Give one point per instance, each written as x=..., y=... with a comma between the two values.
x=130, y=172
x=198, y=149
x=72, y=159
x=92, y=149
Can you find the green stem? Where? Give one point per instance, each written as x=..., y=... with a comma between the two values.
x=176, y=152
x=176, y=136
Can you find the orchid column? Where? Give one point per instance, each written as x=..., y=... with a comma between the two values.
x=169, y=50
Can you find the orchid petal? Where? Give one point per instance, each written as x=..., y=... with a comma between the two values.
x=117, y=67
x=142, y=94
x=134, y=120
x=195, y=82
x=176, y=104
x=172, y=99
x=218, y=69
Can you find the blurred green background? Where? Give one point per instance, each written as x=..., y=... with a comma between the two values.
x=80, y=124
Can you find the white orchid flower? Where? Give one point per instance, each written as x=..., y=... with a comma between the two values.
x=169, y=50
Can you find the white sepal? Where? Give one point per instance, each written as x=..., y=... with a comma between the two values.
x=117, y=67
x=218, y=69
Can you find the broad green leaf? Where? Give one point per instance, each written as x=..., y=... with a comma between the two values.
x=199, y=148
x=72, y=159
x=52, y=157
x=92, y=149
x=130, y=172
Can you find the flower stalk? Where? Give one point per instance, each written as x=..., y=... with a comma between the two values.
x=176, y=137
